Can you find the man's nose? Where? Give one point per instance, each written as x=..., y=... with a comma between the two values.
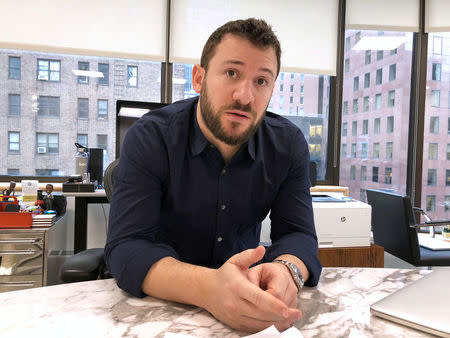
x=244, y=92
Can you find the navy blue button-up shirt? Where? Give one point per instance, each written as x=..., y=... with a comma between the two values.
x=175, y=196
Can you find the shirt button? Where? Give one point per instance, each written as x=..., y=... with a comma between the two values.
x=223, y=206
x=219, y=239
x=224, y=171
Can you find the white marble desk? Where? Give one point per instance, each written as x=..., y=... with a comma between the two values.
x=338, y=307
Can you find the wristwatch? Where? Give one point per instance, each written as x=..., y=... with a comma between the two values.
x=295, y=273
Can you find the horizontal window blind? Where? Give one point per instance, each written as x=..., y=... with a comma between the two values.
x=437, y=18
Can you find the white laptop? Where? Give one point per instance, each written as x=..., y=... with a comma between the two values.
x=436, y=243
x=423, y=304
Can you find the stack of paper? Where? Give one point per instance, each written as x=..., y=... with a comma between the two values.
x=43, y=220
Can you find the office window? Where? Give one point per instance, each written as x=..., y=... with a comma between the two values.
x=447, y=178
x=281, y=87
x=436, y=72
x=291, y=89
x=389, y=150
x=388, y=175
x=344, y=129
x=48, y=106
x=432, y=177
x=379, y=77
x=363, y=176
x=376, y=125
x=356, y=83
x=102, y=142
x=431, y=203
x=14, y=105
x=374, y=174
x=346, y=65
x=354, y=128
x=82, y=139
x=352, y=172
x=393, y=51
x=377, y=101
x=83, y=66
x=13, y=172
x=302, y=89
x=376, y=150
x=49, y=70
x=344, y=150
x=379, y=55
x=347, y=44
x=47, y=143
x=47, y=172
x=392, y=72
x=447, y=203
x=390, y=125
x=14, y=67
x=367, y=80
x=355, y=106
x=367, y=57
x=83, y=108
x=432, y=151
x=364, y=147
x=132, y=79
x=366, y=103
x=435, y=98
x=102, y=108
x=434, y=124
x=104, y=69
x=13, y=142
x=353, y=150
x=291, y=99
x=365, y=127
x=391, y=98
x=345, y=111
x=301, y=99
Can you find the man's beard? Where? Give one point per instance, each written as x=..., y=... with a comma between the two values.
x=214, y=124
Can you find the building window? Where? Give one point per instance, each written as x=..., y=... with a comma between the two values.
x=364, y=148
x=376, y=125
x=14, y=68
x=353, y=150
x=447, y=178
x=354, y=128
x=363, y=173
x=379, y=55
x=47, y=172
x=104, y=69
x=347, y=44
x=432, y=175
x=378, y=101
x=437, y=45
x=365, y=127
x=367, y=80
x=366, y=103
x=389, y=150
x=49, y=70
x=344, y=129
x=392, y=72
x=391, y=98
x=436, y=72
x=355, y=106
x=447, y=203
x=48, y=106
x=390, y=124
x=292, y=76
x=356, y=83
x=431, y=203
x=376, y=150
x=47, y=143
x=291, y=99
x=448, y=151
x=357, y=37
x=388, y=175
x=345, y=112
x=344, y=150
x=302, y=89
x=435, y=98
x=14, y=104
x=374, y=174
x=281, y=76
x=281, y=99
x=393, y=51
x=302, y=77
x=281, y=87
x=13, y=172
x=291, y=88
x=82, y=139
x=301, y=99
x=132, y=79
x=432, y=151
x=434, y=124
x=379, y=77
x=13, y=142
x=448, y=125
x=102, y=107
x=85, y=67
x=83, y=109
x=367, y=57
x=346, y=65
x=352, y=172
x=102, y=142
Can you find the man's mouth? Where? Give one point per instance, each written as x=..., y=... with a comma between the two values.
x=239, y=114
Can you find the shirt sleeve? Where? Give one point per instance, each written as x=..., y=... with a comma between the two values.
x=134, y=240
x=292, y=221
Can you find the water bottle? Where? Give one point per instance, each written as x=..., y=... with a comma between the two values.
x=81, y=160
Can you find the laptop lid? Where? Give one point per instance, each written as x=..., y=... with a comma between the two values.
x=422, y=305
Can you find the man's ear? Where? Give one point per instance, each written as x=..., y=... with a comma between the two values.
x=198, y=74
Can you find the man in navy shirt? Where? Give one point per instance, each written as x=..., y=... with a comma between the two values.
x=197, y=178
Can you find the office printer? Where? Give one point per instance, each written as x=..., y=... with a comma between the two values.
x=341, y=221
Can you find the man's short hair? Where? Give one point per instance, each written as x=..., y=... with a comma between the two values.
x=257, y=31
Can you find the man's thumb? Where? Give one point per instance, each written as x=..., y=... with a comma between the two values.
x=248, y=257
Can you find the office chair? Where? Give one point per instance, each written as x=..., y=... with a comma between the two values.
x=90, y=264
x=394, y=228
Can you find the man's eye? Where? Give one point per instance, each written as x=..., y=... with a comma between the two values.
x=261, y=82
x=231, y=73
